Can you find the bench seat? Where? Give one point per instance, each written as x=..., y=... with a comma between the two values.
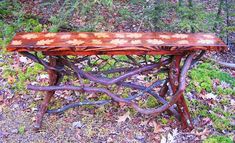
x=90, y=43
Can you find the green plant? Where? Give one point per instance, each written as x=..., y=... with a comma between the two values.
x=21, y=129
x=164, y=121
x=21, y=77
x=202, y=78
x=151, y=102
x=218, y=139
x=62, y=17
x=125, y=13
x=159, y=13
x=104, y=2
x=193, y=19
x=222, y=124
x=19, y=21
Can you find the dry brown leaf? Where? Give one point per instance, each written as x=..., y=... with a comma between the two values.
x=157, y=127
x=204, y=132
x=122, y=104
x=209, y=96
x=11, y=79
x=144, y=123
x=206, y=120
x=92, y=95
x=124, y=117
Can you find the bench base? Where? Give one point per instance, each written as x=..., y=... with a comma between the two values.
x=172, y=86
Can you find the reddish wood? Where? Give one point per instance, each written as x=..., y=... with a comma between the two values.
x=88, y=43
x=53, y=79
x=181, y=104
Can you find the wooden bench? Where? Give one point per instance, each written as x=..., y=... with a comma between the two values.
x=177, y=51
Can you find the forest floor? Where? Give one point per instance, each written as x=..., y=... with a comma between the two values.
x=210, y=93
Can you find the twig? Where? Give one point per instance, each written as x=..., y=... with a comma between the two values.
x=224, y=64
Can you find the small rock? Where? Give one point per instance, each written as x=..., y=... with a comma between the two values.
x=15, y=106
x=139, y=137
x=23, y=59
x=109, y=140
x=77, y=124
x=69, y=98
x=10, y=96
x=14, y=131
x=34, y=109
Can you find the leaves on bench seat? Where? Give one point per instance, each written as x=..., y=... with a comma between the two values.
x=126, y=43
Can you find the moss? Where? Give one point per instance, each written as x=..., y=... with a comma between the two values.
x=161, y=76
x=201, y=109
x=57, y=104
x=224, y=91
x=222, y=124
x=218, y=139
x=164, y=121
x=151, y=102
x=21, y=129
x=202, y=78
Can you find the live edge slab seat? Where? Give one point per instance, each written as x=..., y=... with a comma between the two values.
x=177, y=51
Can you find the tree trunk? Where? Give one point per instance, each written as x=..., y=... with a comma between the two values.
x=190, y=5
x=218, y=15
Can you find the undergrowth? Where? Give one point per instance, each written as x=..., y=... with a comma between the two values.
x=204, y=76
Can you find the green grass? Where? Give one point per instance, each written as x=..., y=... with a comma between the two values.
x=21, y=129
x=218, y=139
x=220, y=118
x=202, y=79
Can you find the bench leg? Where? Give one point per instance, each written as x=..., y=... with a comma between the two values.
x=181, y=104
x=184, y=113
x=53, y=80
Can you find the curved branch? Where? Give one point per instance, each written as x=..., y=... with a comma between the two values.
x=101, y=102
x=224, y=64
x=175, y=97
x=42, y=62
x=66, y=107
x=106, y=81
x=194, y=61
x=162, y=100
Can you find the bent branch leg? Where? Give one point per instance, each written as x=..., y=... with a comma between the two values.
x=53, y=80
x=181, y=104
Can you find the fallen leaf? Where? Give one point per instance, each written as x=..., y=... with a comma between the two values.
x=209, y=96
x=122, y=104
x=92, y=95
x=124, y=117
x=175, y=132
x=1, y=99
x=206, y=121
x=23, y=59
x=157, y=127
x=144, y=123
x=204, y=132
x=77, y=124
x=232, y=102
x=11, y=79
x=163, y=140
x=170, y=138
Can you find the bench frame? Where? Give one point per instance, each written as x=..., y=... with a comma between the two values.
x=182, y=51
x=173, y=86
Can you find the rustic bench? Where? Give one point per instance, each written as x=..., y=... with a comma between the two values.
x=67, y=53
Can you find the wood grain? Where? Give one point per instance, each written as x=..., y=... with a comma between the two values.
x=92, y=43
